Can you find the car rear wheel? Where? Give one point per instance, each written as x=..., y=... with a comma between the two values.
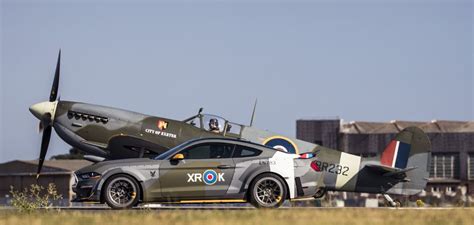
x=121, y=192
x=267, y=191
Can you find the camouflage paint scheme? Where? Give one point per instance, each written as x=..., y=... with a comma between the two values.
x=109, y=133
x=119, y=134
x=167, y=180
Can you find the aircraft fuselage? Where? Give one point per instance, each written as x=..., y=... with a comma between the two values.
x=115, y=133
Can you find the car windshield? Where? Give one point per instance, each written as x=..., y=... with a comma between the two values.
x=170, y=152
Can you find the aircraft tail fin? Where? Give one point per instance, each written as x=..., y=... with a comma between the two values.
x=408, y=156
x=396, y=154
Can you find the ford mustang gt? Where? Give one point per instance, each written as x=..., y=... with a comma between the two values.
x=200, y=171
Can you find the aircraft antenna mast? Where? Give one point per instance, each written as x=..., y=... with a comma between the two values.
x=253, y=113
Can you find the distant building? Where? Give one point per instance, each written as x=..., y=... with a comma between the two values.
x=21, y=174
x=452, y=164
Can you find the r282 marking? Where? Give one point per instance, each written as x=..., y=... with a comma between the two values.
x=332, y=168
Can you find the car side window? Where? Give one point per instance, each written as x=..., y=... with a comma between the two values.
x=208, y=151
x=244, y=151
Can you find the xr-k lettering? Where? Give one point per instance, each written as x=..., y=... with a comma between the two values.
x=197, y=177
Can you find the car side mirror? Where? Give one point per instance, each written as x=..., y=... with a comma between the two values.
x=178, y=156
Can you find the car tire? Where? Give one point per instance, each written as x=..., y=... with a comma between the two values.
x=121, y=192
x=267, y=191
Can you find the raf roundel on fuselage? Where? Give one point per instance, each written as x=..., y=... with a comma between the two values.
x=281, y=143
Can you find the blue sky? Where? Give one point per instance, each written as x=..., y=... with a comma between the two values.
x=359, y=60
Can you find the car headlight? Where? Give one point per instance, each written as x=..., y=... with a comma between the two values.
x=89, y=175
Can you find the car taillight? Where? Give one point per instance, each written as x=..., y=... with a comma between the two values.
x=315, y=166
x=306, y=156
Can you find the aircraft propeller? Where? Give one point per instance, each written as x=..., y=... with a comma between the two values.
x=44, y=112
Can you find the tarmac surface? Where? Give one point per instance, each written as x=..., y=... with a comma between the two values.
x=158, y=207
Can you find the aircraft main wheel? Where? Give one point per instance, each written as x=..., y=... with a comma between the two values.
x=121, y=192
x=267, y=191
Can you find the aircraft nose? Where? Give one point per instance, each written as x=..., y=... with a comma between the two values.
x=39, y=109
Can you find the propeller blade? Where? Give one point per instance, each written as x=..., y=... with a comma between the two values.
x=40, y=127
x=44, y=148
x=44, y=121
x=54, y=88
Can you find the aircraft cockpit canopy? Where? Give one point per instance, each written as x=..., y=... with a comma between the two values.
x=215, y=124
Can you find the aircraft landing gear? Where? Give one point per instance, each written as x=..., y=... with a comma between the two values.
x=393, y=203
x=319, y=193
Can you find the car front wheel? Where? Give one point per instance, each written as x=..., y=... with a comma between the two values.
x=121, y=192
x=267, y=191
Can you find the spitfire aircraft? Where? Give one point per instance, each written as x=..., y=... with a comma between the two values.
x=106, y=133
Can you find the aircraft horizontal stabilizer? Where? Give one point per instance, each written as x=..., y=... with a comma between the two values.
x=387, y=171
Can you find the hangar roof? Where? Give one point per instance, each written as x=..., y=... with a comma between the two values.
x=435, y=126
x=50, y=166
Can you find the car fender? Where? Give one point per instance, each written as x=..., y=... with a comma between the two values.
x=120, y=170
x=281, y=164
x=251, y=176
x=247, y=171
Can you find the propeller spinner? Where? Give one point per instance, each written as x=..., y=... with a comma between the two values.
x=45, y=111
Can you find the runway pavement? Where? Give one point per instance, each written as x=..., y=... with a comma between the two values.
x=158, y=207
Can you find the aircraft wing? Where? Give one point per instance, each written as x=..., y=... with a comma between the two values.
x=124, y=146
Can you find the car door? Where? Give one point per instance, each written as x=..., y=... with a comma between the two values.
x=205, y=172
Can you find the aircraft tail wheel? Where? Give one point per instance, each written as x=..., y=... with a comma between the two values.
x=398, y=204
x=392, y=203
